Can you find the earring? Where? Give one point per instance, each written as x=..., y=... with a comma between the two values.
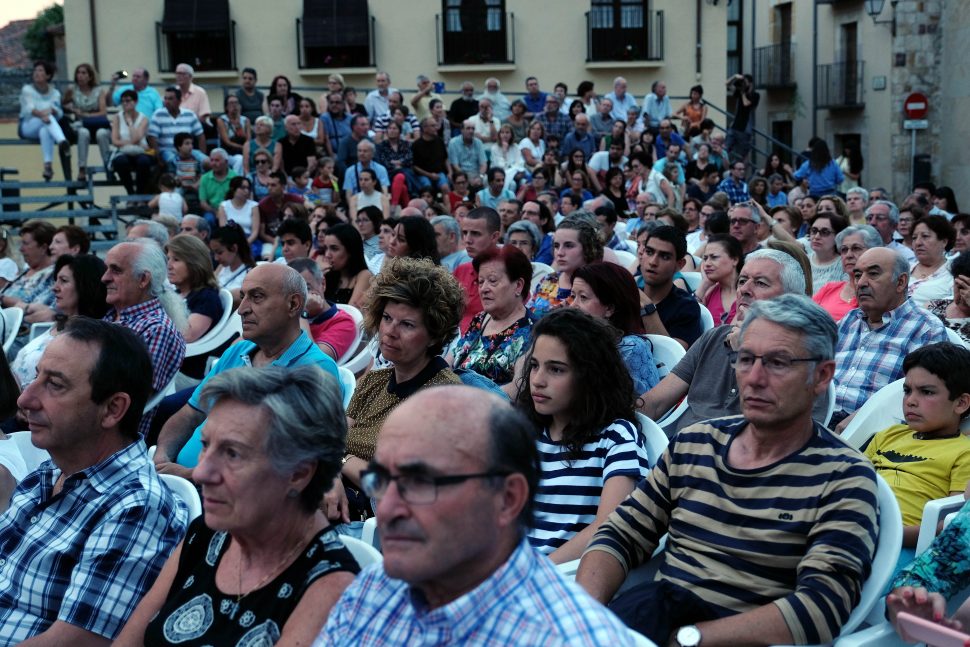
x=292, y=494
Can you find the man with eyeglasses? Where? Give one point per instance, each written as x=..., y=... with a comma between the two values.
x=734, y=185
x=704, y=375
x=337, y=120
x=555, y=123
x=883, y=216
x=744, y=220
x=765, y=546
x=875, y=338
x=454, y=475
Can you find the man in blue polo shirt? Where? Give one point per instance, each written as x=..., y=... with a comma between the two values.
x=273, y=299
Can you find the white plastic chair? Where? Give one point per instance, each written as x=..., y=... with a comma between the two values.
x=349, y=382
x=39, y=328
x=830, y=394
x=359, y=362
x=12, y=318
x=229, y=325
x=882, y=410
x=30, y=457
x=692, y=279
x=364, y=553
x=656, y=439
x=539, y=272
x=954, y=338
x=368, y=533
x=161, y=395
x=626, y=259
x=184, y=490
x=666, y=353
x=674, y=414
x=707, y=319
x=358, y=318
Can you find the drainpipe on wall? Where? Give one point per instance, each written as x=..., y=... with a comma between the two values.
x=815, y=70
x=697, y=47
x=94, y=35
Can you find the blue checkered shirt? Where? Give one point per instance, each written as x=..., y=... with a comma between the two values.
x=525, y=602
x=867, y=360
x=88, y=554
x=736, y=191
x=558, y=125
x=165, y=344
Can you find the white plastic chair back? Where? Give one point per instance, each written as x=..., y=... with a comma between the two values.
x=539, y=272
x=229, y=324
x=358, y=318
x=707, y=319
x=359, y=362
x=674, y=414
x=31, y=456
x=626, y=259
x=158, y=397
x=692, y=279
x=666, y=353
x=656, y=439
x=830, y=394
x=12, y=318
x=364, y=553
x=184, y=490
x=39, y=328
x=954, y=338
x=348, y=382
x=368, y=533
x=882, y=410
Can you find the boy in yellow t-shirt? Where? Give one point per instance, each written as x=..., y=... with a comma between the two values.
x=927, y=458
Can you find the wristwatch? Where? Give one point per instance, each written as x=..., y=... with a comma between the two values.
x=689, y=636
x=648, y=310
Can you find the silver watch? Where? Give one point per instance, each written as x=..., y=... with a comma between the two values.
x=689, y=636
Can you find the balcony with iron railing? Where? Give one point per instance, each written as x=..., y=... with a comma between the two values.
x=774, y=66
x=206, y=50
x=839, y=85
x=633, y=36
x=488, y=42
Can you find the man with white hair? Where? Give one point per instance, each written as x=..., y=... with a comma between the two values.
x=704, y=375
x=365, y=160
x=501, y=106
x=656, y=105
x=376, y=103
x=486, y=124
x=466, y=153
x=621, y=99
x=295, y=149
x=421, y=101
x=883, y=216
x=447, y=233
x=197, y=226
x=745, y=221
x=151, y=229
x=194, y=97
x=138, y=299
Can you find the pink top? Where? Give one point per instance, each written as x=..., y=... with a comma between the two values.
x=828, y=297
x=713, y=303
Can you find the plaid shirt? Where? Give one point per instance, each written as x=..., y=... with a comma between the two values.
x=165, y=344
x=558, y=125
x=867, y=360
x=88, y=554
x=736, y=191
x=525, y=602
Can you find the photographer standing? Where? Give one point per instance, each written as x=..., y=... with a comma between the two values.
x=739, y=133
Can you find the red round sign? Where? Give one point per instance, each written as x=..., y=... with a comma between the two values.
x=916, y=106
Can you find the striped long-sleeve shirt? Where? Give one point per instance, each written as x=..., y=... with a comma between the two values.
x=800, y=533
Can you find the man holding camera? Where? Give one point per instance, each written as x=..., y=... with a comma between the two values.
x=746, y=102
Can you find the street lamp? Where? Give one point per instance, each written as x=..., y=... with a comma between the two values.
x=875, y=7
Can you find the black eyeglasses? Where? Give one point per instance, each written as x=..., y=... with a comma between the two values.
x=262, y=161
x=815, y=231
x=417, y=489
x=774, y=363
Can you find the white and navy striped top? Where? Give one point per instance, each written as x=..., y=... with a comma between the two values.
x=569, y=489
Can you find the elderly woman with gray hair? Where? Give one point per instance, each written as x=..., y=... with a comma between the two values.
x=526, y=236
x=838, y=297
x=262, y=140
x=263, y=566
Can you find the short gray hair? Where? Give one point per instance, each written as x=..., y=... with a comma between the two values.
x=307, y=420
x=450, y=224
x=893, y=210
x=900, y=266
x=755, y=213
x=528, y=227
x=185, y=66
x=798, y=313
x=220, y=151
x=367, y=144
x=792, y=275
x=422, y=78
x=870, y=237
x=265, y=120
x=293, y=283
x=156, y=230
x=304, y=264
x=150, y=259
x=200, y=223
x=860, y=191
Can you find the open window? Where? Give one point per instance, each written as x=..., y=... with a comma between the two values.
x=623, y=30
x=335, y=34
x=475, y=32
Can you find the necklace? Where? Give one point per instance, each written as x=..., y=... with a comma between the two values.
x=289, y=555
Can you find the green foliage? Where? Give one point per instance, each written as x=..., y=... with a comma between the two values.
x=39, y=45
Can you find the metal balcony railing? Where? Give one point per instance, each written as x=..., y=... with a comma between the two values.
x=209, y=50
x=489, y=41
x=840, y=85
x=354, y=48
x=635, y=37
x=774, y=66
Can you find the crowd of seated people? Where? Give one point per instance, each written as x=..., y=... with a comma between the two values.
x=531, y=249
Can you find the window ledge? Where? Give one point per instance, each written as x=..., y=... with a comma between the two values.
x=606, y=65
x=482, y=67
x=211, y=74
x=327, y=71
